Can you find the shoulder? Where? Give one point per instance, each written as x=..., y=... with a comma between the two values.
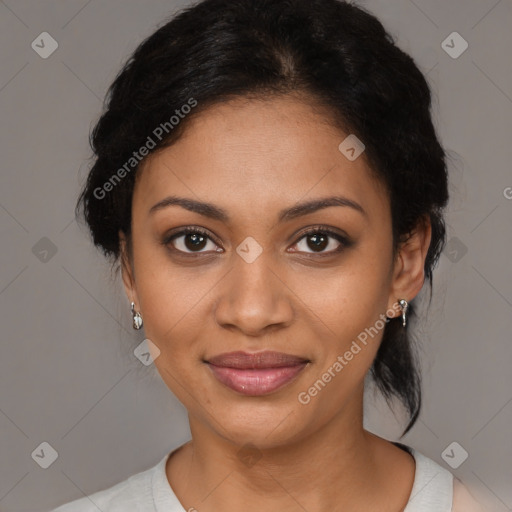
x=432, y=488
x=134, y=493
x=436, y=488
x=463, y=501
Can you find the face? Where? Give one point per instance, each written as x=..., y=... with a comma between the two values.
x=259, y=272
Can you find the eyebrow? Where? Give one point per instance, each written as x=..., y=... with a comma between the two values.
x=217, y=213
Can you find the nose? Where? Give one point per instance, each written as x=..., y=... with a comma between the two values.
x=254, y=298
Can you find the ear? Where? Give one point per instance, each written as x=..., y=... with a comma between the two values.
x=127, y=273
x=408, y=272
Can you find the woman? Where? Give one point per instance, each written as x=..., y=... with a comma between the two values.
x=268, y=176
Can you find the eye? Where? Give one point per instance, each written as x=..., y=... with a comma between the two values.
x=191, y=240
x=318, y=239
x=321, y=240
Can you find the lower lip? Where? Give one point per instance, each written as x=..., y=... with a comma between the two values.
x=254, y=382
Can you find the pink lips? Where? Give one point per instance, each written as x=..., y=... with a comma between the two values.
x=258, y=373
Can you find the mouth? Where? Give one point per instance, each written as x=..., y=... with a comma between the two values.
x=258, y=373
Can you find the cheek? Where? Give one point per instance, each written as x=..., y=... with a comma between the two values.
x=345, y=350
x=335, y=308
x=346, y=299
x=345, y=315
x=339, y=301
x=172, y=301
x=173, y=314
x=174, y=318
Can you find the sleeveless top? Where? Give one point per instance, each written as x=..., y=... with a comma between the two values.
x=149, y=491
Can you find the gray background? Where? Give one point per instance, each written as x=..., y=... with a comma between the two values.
x=68, y=375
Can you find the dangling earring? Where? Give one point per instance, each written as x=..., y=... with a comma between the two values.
x=404, y=305
x=137, y=319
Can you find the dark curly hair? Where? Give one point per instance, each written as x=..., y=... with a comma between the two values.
x=334, y=53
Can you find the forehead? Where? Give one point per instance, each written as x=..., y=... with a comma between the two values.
x=256, y=156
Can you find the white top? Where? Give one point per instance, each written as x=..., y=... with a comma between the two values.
x=149, y=491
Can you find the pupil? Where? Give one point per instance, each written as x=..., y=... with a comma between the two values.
x=319, y=240
x=197, y=240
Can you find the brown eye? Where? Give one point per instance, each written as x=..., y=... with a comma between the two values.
x=317, y=242
x=191, y=241
x=321, y=241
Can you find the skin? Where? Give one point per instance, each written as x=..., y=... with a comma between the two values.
x=253, y=158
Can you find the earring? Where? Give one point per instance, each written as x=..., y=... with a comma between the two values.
x=404, y=305
x=137, y=319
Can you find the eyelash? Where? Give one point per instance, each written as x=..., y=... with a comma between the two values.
x=344, y=241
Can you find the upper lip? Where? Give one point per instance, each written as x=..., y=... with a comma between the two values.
x=246, y=360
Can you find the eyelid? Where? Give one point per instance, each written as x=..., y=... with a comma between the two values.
x=168, y=238
x=344, y=240
x=340, y=236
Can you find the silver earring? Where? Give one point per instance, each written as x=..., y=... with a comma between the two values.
x=137, y=319
x=404, y=305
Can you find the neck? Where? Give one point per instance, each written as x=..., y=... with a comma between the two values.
x=338, y=467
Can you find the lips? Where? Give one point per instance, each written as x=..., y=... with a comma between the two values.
x=244, y=360
x=257, y=373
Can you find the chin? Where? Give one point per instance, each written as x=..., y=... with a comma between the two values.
x=262, y=425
